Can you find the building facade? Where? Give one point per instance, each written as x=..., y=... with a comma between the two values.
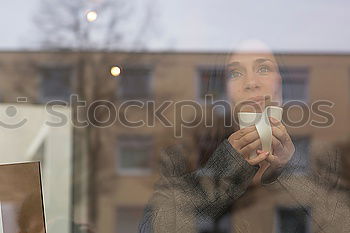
x=117, y=140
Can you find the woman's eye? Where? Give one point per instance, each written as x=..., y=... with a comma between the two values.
x=264, y=69
x=235, y=74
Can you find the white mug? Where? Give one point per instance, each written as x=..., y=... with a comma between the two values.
x=262, y=124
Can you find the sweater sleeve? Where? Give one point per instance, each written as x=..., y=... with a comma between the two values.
x=181, y=198
x=322, y=187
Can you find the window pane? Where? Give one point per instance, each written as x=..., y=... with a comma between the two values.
x=134, y=153
x=221, y=225
x=55, y=83
x=293, y=220
x=135, y=84
x=295, y=83
x=134, y=157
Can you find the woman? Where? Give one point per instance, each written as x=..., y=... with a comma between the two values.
x=182, y=198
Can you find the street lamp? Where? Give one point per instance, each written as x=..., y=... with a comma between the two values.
x=115, y=71
x=91, y=16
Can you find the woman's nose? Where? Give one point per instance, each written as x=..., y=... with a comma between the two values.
x=251, y=83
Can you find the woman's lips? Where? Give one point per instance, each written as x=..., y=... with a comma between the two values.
x=257, y=98
x=254, y=104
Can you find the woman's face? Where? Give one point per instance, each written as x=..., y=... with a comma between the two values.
x=253, y=79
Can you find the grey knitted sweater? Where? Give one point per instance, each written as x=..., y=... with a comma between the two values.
x=181, y=198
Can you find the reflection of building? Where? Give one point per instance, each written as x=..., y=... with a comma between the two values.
x=124, y=160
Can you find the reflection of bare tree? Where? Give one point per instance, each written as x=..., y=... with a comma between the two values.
x=17, y=70
x=120, y=24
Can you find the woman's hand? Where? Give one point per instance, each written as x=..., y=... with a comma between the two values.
x=282, y=147
x=245, y=141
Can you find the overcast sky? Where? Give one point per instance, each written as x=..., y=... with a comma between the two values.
x=208, y=25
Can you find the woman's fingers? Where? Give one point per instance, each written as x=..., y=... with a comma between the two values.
x=246, y=150
x=270, y=158
x=248, y=139
x=250, y=135
x=279, y=134
x=259, y=158
x=277, y=123
x=280, y=142
x=242, y=132
x=276, y=144
x=279, y=130
x=241, y=137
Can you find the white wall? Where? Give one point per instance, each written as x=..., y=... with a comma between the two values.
x=23, y=132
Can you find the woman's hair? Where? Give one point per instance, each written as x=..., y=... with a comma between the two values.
x=208, y=138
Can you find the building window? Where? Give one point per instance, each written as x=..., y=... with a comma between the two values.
x=55, y=83
x=134, y=154
x=212, y=82
x=293, y=220
x=295, y=83
x=220, y=225
x=300, y=160
x=128, y=219
x=135, y=83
